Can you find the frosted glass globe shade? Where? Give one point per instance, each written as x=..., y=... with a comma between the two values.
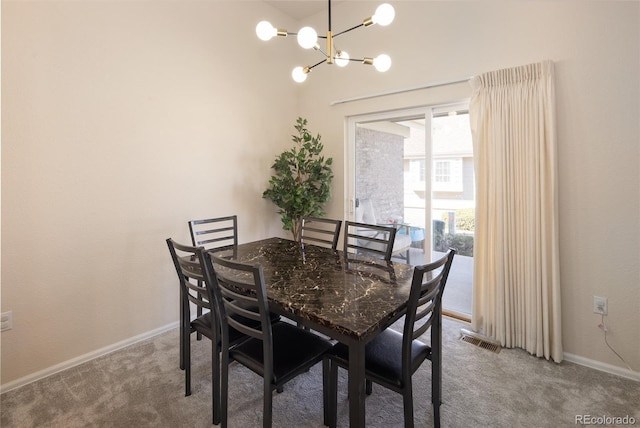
x=307, y=37
x=382, y=63
x=342, y=59
x=299, y=75
x=265, y=31
x=384, y=14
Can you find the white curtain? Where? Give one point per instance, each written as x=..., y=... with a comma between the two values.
x=516, y=280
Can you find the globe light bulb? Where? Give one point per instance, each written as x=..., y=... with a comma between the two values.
x=265, y=31
x=299, y=74
x=384, y=14
x=382, y=63
x=307, y=37
x=342, y=59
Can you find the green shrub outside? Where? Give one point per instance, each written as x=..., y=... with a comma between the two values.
x=465, y=219
x=462, y=242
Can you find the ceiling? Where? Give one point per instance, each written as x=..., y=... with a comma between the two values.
x=300, y=9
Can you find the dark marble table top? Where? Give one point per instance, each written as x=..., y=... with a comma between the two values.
x=355, y=297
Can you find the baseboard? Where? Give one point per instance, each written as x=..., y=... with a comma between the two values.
x=84, y=358
x=603, y=367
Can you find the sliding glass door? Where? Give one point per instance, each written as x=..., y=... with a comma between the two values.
x=414, y=169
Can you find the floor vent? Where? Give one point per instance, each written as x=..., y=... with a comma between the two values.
x=479, y=341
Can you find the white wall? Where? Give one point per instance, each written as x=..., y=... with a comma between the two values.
x=122, y=120
x=596, y=50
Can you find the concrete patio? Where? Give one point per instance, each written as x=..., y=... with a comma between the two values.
x=457, y=296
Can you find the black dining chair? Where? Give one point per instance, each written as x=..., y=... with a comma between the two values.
x=392, y=357
x=371, y=239
x=276, y=351
x=218, y=234
x=320, y=231
x=196, y=288
x=365, y=213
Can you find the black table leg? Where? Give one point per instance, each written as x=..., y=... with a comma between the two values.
x=356, y=385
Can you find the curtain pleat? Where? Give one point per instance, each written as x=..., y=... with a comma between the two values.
x=516, y=292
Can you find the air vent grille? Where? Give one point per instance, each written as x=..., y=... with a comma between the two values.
x=479, y=341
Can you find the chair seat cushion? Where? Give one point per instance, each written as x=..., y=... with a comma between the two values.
x=294, y=351
x=383, y=356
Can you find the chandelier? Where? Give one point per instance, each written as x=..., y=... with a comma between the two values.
x=308, y=39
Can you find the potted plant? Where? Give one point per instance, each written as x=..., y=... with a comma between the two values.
x=301, y=184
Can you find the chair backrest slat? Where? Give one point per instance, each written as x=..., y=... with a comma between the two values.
x=219, y=233
x=320, y=231
x=424, y=308
x=372, y=239
x=244, y=299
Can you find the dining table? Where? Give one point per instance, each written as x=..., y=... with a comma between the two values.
x=348, y=297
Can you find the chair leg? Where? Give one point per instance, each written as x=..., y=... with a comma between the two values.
x=436, y=370
x=224, y=389
x=181, y=348
x=407, y=401
x=199, y=312
x=186, y=352
x=215, y=382
x=326, y=365
x=436, y=390
x=267, y=404
x=333, y=396
x=436, y=416
x=183, y=318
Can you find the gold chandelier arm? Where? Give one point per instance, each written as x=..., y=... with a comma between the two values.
x=349, y=29
x=286, y=33
x=316, y=64
x=317, y=47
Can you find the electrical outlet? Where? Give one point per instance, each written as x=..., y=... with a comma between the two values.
x=600, y=305
x=6, y=321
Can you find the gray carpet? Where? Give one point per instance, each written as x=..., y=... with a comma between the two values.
x=142, y=386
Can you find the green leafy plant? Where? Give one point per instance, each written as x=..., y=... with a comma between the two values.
x=465, y=219
x=301, y=185
x=462, y=243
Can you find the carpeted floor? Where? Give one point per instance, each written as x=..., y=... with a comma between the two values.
x=142, y=386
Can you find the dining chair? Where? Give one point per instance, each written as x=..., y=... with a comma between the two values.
x=278, y=352
x=218, y=234
x=392, y=357
x=320, y=231
x=365, y=213
x=323, y=232
x=196, y=288
x=371, y=239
